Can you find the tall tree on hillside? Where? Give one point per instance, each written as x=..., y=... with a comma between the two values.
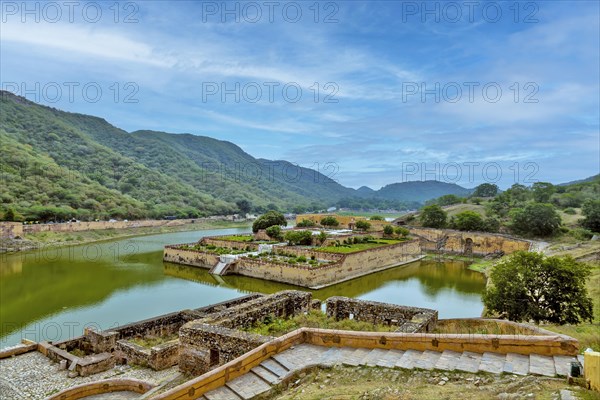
x=433, y=216
x=485, y=190
x=244, y=206
x=591, y=212
x=535, y=219
x=542, y=191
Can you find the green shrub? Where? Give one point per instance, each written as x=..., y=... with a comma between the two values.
x=301, y=259
x=570, y=211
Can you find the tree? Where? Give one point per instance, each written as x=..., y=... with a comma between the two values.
x=274, y=232
x=542, y=191
x=530, y=286
x=447, y=200
x=400, y=231
x=244, y=206
x=433, y=216
x=518, y=192
x=388, y=230
x=485, y=190
x=268, y=219
x=12, y=215
x=535, y=219
x=298, y=237
x=321, y=237
x=591, y=212
x=330, y=221
x=468, y=221
x=306, y=223
x=377, y=218
x=363, y=225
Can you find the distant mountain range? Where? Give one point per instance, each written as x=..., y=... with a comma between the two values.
x=56, y=163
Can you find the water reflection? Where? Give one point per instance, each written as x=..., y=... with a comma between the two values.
x=121, y=281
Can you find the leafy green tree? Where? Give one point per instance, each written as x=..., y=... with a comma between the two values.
x=491, y=224
x=321, y=238
x=468, y=221
x=268, y=219
x=542, y=191
x=401, y=231
x=377, y=218
x=518, y=192
x=485, y=190
x=388, y=230
x=274, y=232
x=12, y=215
x=591, y=212
x=330, y=221
x=433, y=216
x=306, y=223
x=244, y=206
x=363, y=225
x=448, y=200
x=530, y=286
x=298, y=238
x=535, y=219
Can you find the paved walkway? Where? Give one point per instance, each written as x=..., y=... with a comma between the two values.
x=272, y=371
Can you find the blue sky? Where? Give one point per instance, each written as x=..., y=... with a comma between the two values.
x=455, y=91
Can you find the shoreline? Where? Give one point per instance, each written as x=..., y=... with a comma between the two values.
x=63, y=239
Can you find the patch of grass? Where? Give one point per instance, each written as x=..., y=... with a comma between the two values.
x=480, y=327
x=151, y=341
x=237, y=238
x=78, y=353
x=314, y=319
x=357, y=383
x=351, y=248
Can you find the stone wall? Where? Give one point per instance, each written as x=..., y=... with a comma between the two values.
x=458, y=242
x=407, y=319
x=162, y=356
x=204, y=347
x=101, y=225
x=11, y=230
x=346, y=266
x=176, y=254
x=284, y=304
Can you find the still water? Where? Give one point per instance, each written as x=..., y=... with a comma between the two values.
x=53, y=294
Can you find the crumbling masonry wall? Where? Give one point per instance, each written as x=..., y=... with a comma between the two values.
x=407, y=319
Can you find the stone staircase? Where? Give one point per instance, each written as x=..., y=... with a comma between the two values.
x=274, y=370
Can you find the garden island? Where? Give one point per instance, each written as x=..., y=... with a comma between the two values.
x=327, y=249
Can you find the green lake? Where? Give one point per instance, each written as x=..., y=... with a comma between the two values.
x=54, y=293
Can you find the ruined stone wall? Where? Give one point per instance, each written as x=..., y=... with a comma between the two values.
x=451, y=241
x=11, y=230
x=346, y=221
x=407, y=319
x=283, y=304
x=204, y=347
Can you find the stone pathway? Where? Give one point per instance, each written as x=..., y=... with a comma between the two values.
x=281, y=366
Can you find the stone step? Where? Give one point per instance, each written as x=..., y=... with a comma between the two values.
x=408, y=359
x=389, y=360
x=469, y=362
x=428, y=360
x=287, y=360
x=374, y=357
x=356, y=357
x=516, y=364
x=541, y=365
x=222, y=393
x=248, y=386
x=492, y=362
x=266, y=375
x=448, y=360
x=274, y=367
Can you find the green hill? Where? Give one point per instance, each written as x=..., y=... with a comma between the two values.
x=420, y=191
x=57, y=165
